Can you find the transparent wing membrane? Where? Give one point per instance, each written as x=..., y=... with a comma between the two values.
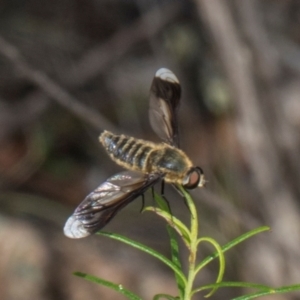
x=101, y=205
x=165, y=95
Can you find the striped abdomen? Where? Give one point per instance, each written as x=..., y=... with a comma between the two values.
x=127, y=151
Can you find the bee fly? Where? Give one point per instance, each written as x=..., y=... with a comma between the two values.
x=146, y=162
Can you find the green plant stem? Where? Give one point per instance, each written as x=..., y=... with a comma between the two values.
x=193, y=246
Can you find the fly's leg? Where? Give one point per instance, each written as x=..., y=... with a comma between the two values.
x=162, y=188
x=162, y=194
x=143, y=202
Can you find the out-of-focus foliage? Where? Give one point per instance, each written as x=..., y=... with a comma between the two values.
x=69, y=69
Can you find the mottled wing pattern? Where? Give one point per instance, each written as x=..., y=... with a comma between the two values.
x=100, y=206
x=165, y=94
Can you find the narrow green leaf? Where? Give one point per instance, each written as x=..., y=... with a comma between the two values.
x=281, y=290
x=189, y=202
x=288, y=288
x=173, y=222
x=221, y=259
x=162, y=203
x=254, y=295
x=116, y=287
x=176, y=259
x=263, y=288
x=231, y=244
x=146, y=249
x=164, y=296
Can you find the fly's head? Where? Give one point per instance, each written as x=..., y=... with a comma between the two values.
x=194, y=178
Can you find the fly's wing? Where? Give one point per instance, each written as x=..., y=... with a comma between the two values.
x=165, y=94
x=100, y=206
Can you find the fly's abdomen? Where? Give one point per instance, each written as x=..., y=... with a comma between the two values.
x=127, y=151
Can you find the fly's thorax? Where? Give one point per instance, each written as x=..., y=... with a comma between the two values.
x=126, y=151
x=176, y=166
x=171, y=161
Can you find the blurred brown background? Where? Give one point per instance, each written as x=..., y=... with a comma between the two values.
x=70, y=69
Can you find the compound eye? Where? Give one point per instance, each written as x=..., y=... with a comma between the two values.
x=194, y=178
